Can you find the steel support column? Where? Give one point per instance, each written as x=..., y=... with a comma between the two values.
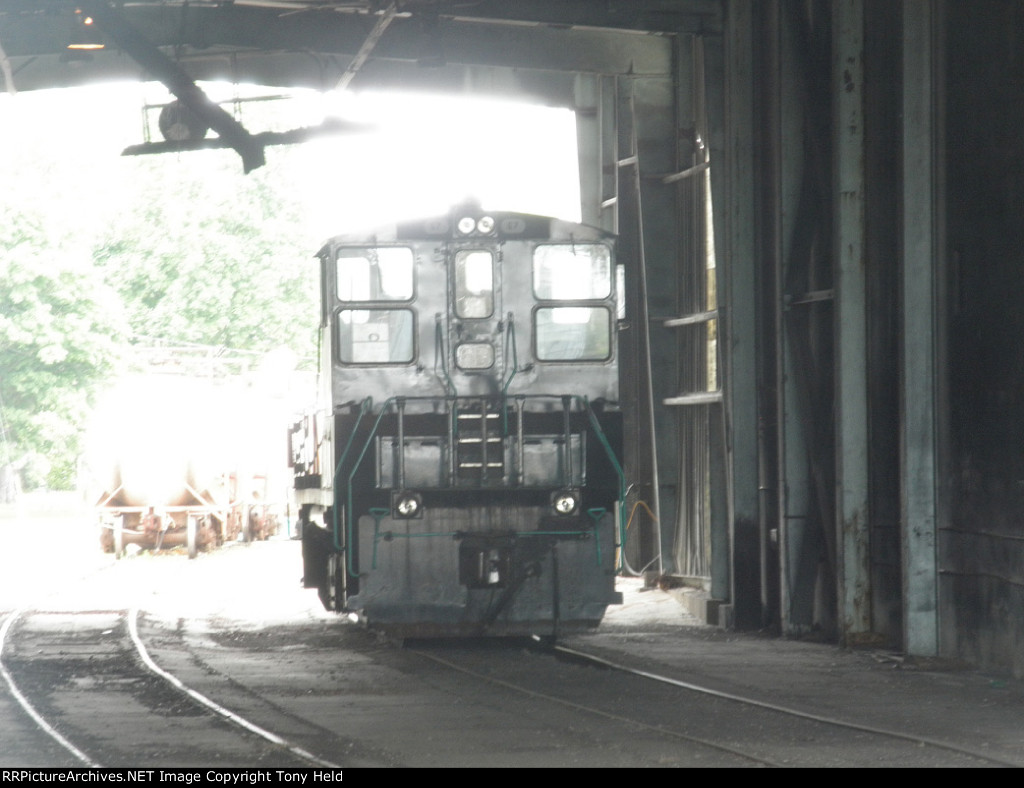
x=851, y=323
x=920, y=288
x=786, y=165
x=738, y=581
x=587, y=106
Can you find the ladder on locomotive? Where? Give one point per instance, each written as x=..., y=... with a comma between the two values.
x=479, y=445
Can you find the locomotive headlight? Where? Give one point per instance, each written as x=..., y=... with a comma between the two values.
x=565, y=502
x=408, y=505
x=485, y=225
x=466, y=225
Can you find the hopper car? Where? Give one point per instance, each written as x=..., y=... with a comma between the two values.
x=462, y=475
x=170, y=467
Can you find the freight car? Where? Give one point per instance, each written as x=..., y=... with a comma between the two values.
x=172, y=464
x=463, y=476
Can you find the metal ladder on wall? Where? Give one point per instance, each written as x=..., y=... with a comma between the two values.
x=701, y=387
x=628, y=196
x=701, y=398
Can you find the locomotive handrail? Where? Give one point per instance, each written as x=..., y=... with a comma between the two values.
x=351, y=476
x=583, y=403
x=615, y=464
x=439, y=353
x=364, y=408
x=510, y=338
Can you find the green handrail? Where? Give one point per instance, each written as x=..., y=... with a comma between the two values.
x=364, y=407
x=509, y=339
x=351, y=476
x=439, y=353
x=615, y=464
x=378, y=514
x=584, y=405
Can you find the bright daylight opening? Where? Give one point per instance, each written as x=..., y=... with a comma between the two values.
x=184, y=253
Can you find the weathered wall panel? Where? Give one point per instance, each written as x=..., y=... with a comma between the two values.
x=982, y=552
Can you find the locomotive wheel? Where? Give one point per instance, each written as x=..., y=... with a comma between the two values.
x=192, y=536
x=119, y=536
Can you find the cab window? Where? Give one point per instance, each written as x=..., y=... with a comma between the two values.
x=573, y=333
x=375, y=274
x=572, y=272
x=375, y=336
x=474, y=284
x=574, y=276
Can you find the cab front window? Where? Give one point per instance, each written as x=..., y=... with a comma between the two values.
x=474, y=284
x=572, y=272
x=573, y=333
x=375, y=336
x=573, y=284
x=375, y=274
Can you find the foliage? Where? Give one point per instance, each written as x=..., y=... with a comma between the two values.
x=59, y=334
x=212, y=258
x=105, y=251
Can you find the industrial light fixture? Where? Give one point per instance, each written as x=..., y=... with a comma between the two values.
x=179, y=123
x=408, y=505
x=85, y=36
x=565, y=502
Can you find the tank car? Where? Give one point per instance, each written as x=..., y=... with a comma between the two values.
x=172, y=464
x=463, y=476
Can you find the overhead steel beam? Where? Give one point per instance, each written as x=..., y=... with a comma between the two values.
x=177, y=81
x=364, y=51
x=326, y=44
x=691, y=16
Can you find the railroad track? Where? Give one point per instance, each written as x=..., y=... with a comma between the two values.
x=173, y=683
x=714, y=727
x=116, y=688
x=88, y=681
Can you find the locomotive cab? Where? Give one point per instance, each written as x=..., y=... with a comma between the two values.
x=466, y=478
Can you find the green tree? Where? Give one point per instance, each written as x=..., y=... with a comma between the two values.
x=103, y=251
x=216, y=262
x=60, y=330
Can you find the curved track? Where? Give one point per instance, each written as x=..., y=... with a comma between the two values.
x=88, y=681
x=248, y=672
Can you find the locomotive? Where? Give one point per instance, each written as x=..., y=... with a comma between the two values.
x=462, y=475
